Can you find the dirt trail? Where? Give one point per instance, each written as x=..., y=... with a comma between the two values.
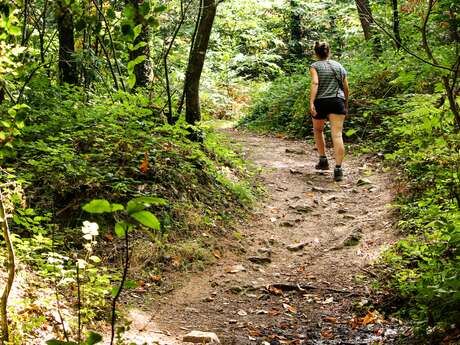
x=302, y=263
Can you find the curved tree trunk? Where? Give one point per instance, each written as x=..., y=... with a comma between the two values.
x=196, y=61
x=365, y=16
x=67, y=63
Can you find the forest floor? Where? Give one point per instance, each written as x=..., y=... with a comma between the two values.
x=302, y=273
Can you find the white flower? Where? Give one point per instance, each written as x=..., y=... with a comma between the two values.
x=90, y=230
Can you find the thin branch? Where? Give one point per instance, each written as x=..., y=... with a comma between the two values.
x=108, y=61
x=122, y=283
x=404, y=47
x=29, y=78
x=165, y=58
x=111, y=42
x=11, y=269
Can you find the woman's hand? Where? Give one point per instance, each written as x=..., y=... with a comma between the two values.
x=313, y=112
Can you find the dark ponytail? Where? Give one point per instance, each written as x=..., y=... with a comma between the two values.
x=322, y=50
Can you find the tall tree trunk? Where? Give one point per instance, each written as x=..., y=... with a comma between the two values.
x=67, y=63
x=295, y=47
x=196, y=61
x=143, y=70
x=365, y=16
x=396, y=23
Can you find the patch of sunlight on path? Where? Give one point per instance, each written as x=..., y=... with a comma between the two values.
x=220, y=124
x=144, y=330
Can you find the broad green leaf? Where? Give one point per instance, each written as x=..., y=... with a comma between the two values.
x=114, y=291
x=130, y=284
x=160, y=8
x=93, y=338
x=95, y=259
x=131, y=80
x=147, y=218
x=350, y=132
x=97, y=206
x=138, y=46
x=117, y=207
x=134, y=206
x=120, y=229
x=137, y=30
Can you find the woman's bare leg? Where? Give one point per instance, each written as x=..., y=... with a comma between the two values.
x=337, y=140
x=318, y=127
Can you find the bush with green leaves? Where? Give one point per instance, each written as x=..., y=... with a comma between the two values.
x=281, y=107
x=116, y=146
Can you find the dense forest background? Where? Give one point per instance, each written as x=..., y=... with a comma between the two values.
x=107, y=111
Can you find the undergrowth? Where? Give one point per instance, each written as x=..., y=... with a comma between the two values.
x=76, y=147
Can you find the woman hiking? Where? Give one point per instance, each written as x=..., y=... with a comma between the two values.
x=328, y=100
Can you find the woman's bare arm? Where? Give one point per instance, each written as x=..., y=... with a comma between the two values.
x=313, y=90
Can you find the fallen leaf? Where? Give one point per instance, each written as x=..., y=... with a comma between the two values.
x=327, y=334
x=176, y=261
x=275, y=291
x=369, y=318
x=241, y=312
x=255, y=333
x=273, y=312
x=290, y=308
x=145, y=164
x=108, y=237
x=216, y=254
x=329, y=319
x=328, y=300
x=355, y=322
x=155, y=277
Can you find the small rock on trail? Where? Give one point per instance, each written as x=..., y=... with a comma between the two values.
x=197, y=337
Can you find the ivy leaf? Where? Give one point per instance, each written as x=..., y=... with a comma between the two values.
x=147, y=218
x=97, y=206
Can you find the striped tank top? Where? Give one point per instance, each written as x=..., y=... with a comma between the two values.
x=328, y=86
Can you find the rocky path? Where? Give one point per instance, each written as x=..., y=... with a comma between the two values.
x=301, y=274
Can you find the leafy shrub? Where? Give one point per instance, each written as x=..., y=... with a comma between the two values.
x=282, y=107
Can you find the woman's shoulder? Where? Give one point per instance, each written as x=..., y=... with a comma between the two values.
x=317, y=64
x=335, y=63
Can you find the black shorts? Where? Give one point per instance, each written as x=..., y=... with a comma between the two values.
x=326, y=106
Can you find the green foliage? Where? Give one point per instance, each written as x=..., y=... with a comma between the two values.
x=91, y=339
x=282, y=107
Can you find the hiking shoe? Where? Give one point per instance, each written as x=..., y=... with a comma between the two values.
x=338, y=174
x=323, y=164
